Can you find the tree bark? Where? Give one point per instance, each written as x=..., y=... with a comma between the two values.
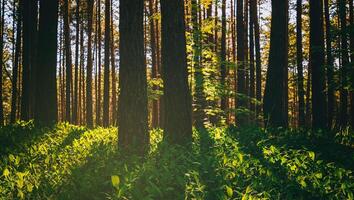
x=274, y=108
x=177, y=99
x=89, y=117
x=299, y=57
x=107, y=47
x=319, y=107
x=46, y=88
x=2, y=61
x=68, y=60
x=132, y=105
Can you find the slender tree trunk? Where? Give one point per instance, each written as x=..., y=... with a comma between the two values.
x=114, y=75
x=132, y=106
x=46, y=90
x=330, y=70
x=76, y=79
x=252, y=90
x=223, y=57
x=351, y=15
x=98, y=97
x=2, y=61
x=345, y=64
x=89, y=117
x=177, y=99
x=319, y=107
x=240, y=66
x=68, y=60
x=275, y=109
x=107, y=43
x=299, y=56
x=16, y=63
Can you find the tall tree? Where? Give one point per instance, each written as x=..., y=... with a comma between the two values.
x=241, y=74
x=46, y=88
x=199, y=114
x=274, y=108
x=68, y=60
x=223, y=56
x=99, y=87
x=252, y=90
x=329, y=63
x=299, y=58
x=107, y=47
x=16, y=62
x=76, y=77
x=2, y=61
x=114, y=75
x=89, y=117
x=351, y=15
x=319, y=107
x=177, y=99
x=29, y=48
x=132, y=105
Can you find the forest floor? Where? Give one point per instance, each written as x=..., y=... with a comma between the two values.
x=70, y=162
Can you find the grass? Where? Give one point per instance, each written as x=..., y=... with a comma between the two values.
x=70, y=162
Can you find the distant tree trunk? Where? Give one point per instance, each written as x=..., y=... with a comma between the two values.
x=252, y=90
x=82, y=81
x=114, y=74
x=16, y=62
x=319, y=107
x=154, y=70
x=241, y=74
x=89, y=117
x=199, y=114
x=177, y=99
x=345, y=64
x=275, y=109
x=107, y=47
x=76, y=78
x=223, y=57
x=98, y=96
x=68, y=61
x=46, y=89
x=258, y=55
x=351, y=15
x=330, y=70
x=132, y=105
x=2, y=61
x=299, y=56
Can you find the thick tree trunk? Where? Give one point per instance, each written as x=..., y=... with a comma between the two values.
x=252, y=90
x=275, y=109
x=89, y=117
x=99, y=87
x=224, y=103
x=76, y=78
x=132, y=105
x=46, y=88
x=177, y=99
x=114, y=74
x=107, y=47
x=319, y=107
x=299, y=57
x=2, y=61
x=351, y=15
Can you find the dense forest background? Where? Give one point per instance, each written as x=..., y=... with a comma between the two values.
x=235, y=77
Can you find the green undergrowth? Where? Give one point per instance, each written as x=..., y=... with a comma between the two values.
x=70, y=162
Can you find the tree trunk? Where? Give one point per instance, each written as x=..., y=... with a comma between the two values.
x=89, y=117
x=2, y=61
x=68, y=61
x=330, y=70
x=46, y=89
x=345, y=64
x=76, y=80
x=240, y=98
x=274, y=108
x=351, y=15
x=98, y=96
x=177, y=99
x=319, y=107
x=114, y=74
x=132, y=105
x=299, y=57
x=224, y=102
x=16, y=63
x=252, y=65
x=107, y=46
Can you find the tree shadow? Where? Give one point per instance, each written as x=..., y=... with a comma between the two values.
x=289, y=189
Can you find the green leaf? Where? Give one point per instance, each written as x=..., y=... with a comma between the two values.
x=115, y=181
x=312, y=155
x=6, y=172
x=229, y=191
